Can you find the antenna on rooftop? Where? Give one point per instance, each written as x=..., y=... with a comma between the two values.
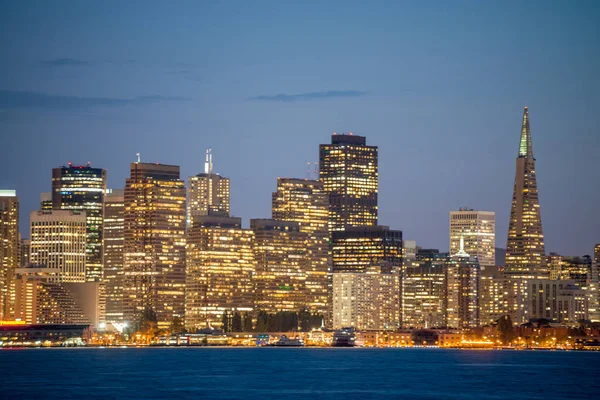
x=139, y=159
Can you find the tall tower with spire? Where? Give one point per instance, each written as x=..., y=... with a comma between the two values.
x=525, y=246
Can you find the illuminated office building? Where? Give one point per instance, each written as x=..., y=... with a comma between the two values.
x=525, y=252
x=477, y=228
x=368, y=300
x=501, y=296
x=9, y=250
x=424, y=289
x=24, y=249
x=303, y=201
x=58, y=241
x=220, y=267
x=280, y=250
x=113, y=239
x=207, y=191
x=81, y=188
x=594, y=287
x=357, y=248
x=349, y=172
x=462, y=290
x=154, y=243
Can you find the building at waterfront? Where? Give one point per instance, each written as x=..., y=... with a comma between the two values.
x=304, y=201
x=357, y=248
x=282, y=261
x=555, y=300
x=424, y=290
x=500, y=296
x=42, y=299
x=594, y=288
x=154, y=243
x=462, y=290
x=81, y=188
x=220, y=266
x=369, y=299
x=113, y=240
x=58, y=242
x=207, y=191
x=9, y=250
x=525, y=251
x=478, y=229
x=349, y=172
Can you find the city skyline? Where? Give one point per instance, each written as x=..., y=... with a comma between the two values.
x=446, y=131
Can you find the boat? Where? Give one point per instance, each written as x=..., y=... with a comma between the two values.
x=284, y=341
x=345, y=337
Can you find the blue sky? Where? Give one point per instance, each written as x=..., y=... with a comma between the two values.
x=439, y=86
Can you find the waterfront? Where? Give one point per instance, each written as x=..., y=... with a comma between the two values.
x=286, y=373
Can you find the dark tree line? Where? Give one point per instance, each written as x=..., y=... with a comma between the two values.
x=282, y=321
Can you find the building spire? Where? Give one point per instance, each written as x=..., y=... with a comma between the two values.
x=208, y=165
x=461, y=252
x=525, y=148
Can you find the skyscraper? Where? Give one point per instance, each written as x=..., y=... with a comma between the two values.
x=207, y=191
x=462, y=290
x=282, y=259
x=9, y=250
x=58, y=242
x=220, y=267
x=154, y=243
x=477, y=228
x=525, y=250
x=81, y=188
x=349, y=172
x=303, y=201
x=357, y=248
x=113, y=238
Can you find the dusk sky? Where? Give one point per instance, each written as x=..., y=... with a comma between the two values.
x=439, y=86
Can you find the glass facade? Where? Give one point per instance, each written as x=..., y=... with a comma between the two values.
x=113, y=238
x=349, y=172
x=81, y=188
x=9, y=250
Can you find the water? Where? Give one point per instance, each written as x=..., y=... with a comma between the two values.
x=290, y=373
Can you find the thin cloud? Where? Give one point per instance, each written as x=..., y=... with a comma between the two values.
x=66, y=62
x=10, y=99
x=310, y=96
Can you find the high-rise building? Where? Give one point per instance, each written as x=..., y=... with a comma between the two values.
x=9, y=250
x=462, y=290
x=367, y=300
x=280, y=250
x=477, y=228
x=594, y=287
x=154, y=243
x=349, y=172
x=58, y=242
x=81, y=188
x=207, y=192
x=113, y=239
x=220, y=266
x=525, y=251
x=303, y=201
x=357, y=248
x=500, y=297
x=424, y=290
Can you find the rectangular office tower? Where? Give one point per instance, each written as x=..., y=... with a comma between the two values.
x=424, y=290
x=463, y=275
x=304, y=201
x=478, y=230
x=358, y=248
x=282, y=259
x=154, y=243
x=220, y=267
x=9, y=250
x=113, y=239
x=207, y=192
x=58, y=242
x=349, y=172
x=81, y=188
